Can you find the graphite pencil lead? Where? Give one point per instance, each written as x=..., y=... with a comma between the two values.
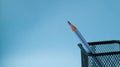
x=73, y=28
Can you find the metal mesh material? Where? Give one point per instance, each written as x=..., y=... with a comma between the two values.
x=105, y=48
x=112, y=60
x=107, y=54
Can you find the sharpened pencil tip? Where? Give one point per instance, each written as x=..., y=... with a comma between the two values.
x=72, y=26
x=69, y=23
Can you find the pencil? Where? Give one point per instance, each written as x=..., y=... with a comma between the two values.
x=85, y=45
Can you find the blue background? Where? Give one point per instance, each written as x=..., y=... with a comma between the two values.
x=35, y=33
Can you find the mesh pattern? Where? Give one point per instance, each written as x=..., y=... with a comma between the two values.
x=106, y=60
x=105, y=48
x=102, y=54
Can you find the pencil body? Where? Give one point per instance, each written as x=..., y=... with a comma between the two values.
x=85, y=44
x=81, y=38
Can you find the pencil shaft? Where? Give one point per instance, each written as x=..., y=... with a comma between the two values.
x=85, y=44
x=86, y=47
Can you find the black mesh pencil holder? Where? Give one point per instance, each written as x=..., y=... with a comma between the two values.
x=107, y=52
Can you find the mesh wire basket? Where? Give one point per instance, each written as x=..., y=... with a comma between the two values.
x=107, y=52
